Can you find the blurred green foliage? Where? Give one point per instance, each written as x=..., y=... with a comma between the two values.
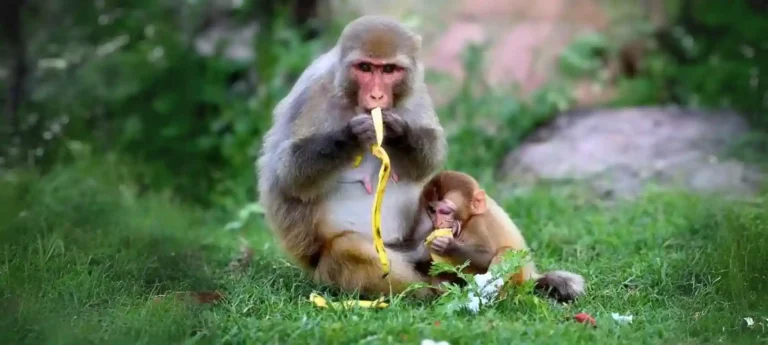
x=485, y=122
x=714, y=55
x=126, y=78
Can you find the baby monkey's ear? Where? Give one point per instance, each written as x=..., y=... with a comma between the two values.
x=478, y=202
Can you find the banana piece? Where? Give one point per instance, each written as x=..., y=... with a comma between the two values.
x=320, y=302
x=384, y=172
x=432, y=236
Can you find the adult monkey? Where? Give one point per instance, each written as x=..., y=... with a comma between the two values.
x=306, y=164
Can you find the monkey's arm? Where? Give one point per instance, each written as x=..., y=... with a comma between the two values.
x=479, y=256
x=419, y=145
x=306, y=165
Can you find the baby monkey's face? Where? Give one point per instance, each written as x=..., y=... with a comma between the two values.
x=443, y=215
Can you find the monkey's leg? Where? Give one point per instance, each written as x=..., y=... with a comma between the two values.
x=350, y=262
x=527, y=272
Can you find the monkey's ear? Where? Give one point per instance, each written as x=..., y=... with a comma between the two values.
x=478, y=202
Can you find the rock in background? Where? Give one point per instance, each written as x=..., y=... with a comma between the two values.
x=619, y=151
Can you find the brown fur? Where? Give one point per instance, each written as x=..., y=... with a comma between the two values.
x=487, y=233
x=322, y=223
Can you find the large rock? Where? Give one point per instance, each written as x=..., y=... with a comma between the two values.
x=619, y=151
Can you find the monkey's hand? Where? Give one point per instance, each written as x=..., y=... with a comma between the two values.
x=443, y=245
x=415, y=142
x=362, y=128
x=394, y=124
x=456, y=228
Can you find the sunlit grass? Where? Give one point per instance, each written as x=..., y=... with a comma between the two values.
x=82, y=258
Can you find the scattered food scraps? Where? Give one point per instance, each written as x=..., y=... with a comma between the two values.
x=320, y=302
x=623, y=319
x=488, y=290
x=584, y=317
x=750, y=322
x=474, y=303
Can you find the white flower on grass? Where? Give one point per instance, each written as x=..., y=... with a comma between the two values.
x=474, y=303
x=749, y=321
x=482, y=279
x=624, y=319
x=432, y=342
x=488, y=290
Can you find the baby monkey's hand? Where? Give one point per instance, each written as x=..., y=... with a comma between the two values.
x=443, y=245
x=456, y=228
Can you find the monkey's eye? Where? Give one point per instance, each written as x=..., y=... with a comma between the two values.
x=389, y=68
x=364, y=66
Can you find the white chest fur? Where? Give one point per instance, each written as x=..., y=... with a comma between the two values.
x=351, y=207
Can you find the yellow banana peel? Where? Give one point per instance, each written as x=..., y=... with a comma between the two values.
x=384, y=172
x=320, y=302
x=378, y=242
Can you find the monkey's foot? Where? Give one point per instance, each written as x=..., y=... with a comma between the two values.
x=393, y=176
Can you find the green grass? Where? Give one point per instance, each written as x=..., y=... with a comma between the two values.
x=83, y=253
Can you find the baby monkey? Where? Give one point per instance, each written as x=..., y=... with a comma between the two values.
x=483, y=231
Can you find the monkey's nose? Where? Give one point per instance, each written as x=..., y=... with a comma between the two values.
x=376, y=99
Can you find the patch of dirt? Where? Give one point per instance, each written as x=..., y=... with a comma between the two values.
x=199, y=297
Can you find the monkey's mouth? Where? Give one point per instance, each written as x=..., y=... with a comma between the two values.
x=368, y=110
x=445, y=223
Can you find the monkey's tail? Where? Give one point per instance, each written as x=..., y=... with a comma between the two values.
x=563, y=286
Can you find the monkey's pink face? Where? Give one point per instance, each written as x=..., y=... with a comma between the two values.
x=376, y=79
x=442, y=213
